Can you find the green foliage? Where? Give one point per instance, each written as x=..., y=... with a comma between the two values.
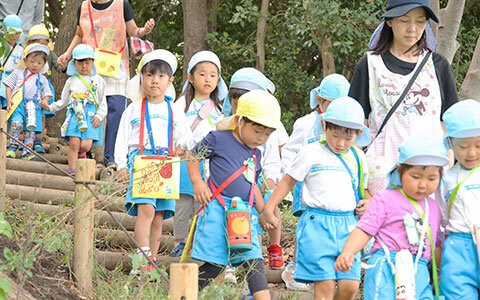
x=5, y=288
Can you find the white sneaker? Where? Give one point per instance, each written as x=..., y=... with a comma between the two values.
x=230, y=275
x=287, y=276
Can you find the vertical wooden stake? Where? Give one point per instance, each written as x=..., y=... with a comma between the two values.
x=3, y=158
x=183, y=281
x=83, y=227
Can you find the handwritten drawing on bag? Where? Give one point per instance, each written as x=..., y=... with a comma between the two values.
x=156, y=176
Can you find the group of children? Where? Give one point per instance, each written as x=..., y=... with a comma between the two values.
x=234, y=151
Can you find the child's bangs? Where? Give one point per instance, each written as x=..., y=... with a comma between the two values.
x=157, y=66
x=39, y=53
x=331, y=126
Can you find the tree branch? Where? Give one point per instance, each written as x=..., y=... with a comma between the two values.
x=261, y=31
x=450, y=19
x=469, y=88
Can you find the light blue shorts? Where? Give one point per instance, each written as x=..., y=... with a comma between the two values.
x=321, y=235
x=297, y=206
x=91, y=133
x=379, y=282
x=20, y=115
x=460, y=272
x=210, y=240
x=166, y=205
x=186, y=186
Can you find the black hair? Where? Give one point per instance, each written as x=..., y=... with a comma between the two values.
x=234, y=94
x=84, y=59
x=157, y=66
x=331, y=126
x=38, y=53
x=402, y=168
x=247, y=120
x=190, y=90
x=386, y=39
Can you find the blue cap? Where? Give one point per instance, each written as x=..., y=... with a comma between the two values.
x=462, y=120
x=398, y=8
x=346, y=112
x=13, y=22
x=419, y=150
x=81, y=51
x=332, y=87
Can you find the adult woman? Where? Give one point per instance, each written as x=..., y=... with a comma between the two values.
x=103, y=24
x=381, y=76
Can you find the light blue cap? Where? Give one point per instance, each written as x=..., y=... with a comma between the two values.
x=418, y=150
x=462, y=120
x=208, y=56
x=13, y=22
x=247, y=79
x=332, y=87
x=346, y=112
x=81, y=51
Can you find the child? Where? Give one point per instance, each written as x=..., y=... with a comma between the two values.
x=155, y=70
x=84, y=94
x=39, y=34
x=332, y=172
x=391, y=215
x=35, y=88
x=12, y=25
x=200, y=101
x=332, y=87
x=461, y=203
x=230, y=150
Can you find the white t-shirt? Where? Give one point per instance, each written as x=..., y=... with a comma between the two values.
x=468, y=196
x=326, y=182
x=129, y=130
x=271, y=163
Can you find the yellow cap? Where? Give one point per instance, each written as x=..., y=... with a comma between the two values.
x=38, y=32
x=258, y=106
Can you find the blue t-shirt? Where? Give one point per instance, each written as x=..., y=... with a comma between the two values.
x=226, y=156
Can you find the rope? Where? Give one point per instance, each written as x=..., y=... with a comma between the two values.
x=104, y=205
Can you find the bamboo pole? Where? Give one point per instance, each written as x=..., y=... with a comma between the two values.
x=83, y=226
x=183, y=281
x=3, y=158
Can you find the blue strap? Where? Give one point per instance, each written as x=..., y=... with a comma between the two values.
x=38, y=86
x=149, y=126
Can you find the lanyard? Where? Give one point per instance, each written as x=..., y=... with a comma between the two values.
x=90, y=88
x=93, y=27
x=455, y=190
x=145, y=118
x=25, y=80
x=420, y=211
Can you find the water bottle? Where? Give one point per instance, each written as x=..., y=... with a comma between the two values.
x=404, y=276
x=238, y=226
x=31, y=115
x=80, y=114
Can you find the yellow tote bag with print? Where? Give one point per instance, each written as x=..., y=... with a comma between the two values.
x=16, y=99
x=107, y=62
x=156, y=176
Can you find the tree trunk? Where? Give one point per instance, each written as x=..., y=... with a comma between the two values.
x=435, y=5
x=261, y=31
x=55, y=12
x=67, y=29
x=328, y=60
x=212, y=15
x=195, y=24
x=450, y=18
x=469, y=88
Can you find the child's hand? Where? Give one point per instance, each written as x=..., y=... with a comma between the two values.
x=179, y=152
x=44, y=105
x=268, y=220
x=268, y=182
x=63, y=59
x=361, y=207
x=201, y=193
x=9, y=107
x=123, y=175
x=96, y=122
x=344, y=262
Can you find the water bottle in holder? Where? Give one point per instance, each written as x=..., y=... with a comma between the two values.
x=80, y=114
x=31, y=114
x=239, y=227
x=404, y=276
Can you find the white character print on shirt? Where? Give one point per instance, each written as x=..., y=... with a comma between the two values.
x=413, y=102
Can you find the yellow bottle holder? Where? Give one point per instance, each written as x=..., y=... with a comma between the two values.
x=107, y=62
x=16, y=99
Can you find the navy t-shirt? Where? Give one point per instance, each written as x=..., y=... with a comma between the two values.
x=226, y=156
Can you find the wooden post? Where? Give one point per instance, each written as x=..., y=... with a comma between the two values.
x=83, y=227
x=3, y=158
x=184, y=281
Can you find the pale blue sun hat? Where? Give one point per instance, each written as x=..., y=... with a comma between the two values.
x=418, y=150
x=332, y=87
x=208, y=56
x=248, y=79
x=346, y=112
x=462, y=120
x=13, y=24
x=81, y=51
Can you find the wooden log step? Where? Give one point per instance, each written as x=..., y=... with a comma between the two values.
x=39, y=180
x=55, y=158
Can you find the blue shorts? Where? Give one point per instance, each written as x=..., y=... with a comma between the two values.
x=91, y=133
x=321, y=235
x=297, y=206
x=20, y=115
x=165, y=205
x=3, y=102
x=460, y=272
x=186, y=186
x=379, y=282
x=210, y=240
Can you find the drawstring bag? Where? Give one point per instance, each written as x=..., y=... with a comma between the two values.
x=140, y=47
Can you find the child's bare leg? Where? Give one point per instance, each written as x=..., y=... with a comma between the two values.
x=85, y=145
x=261, y=295
x=73, y=146
x=156, y=232
x=324, y=290
x=347, y=289
x=143, y=223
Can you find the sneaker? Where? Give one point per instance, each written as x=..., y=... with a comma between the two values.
x=275, y=255
x=178, y=250
x=28, y=156
x=82, y=155
x=11, y=153
x=141, y=268
x=111, y=164
x=230, y=275
x=71, y=173
x=38, y=147
x=287, y=276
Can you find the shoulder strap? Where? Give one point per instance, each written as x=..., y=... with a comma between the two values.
x=19, y=7
x=142, y=125
x=89, y=87
x=405, y=91
x=93, y=27
x=453, y=195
